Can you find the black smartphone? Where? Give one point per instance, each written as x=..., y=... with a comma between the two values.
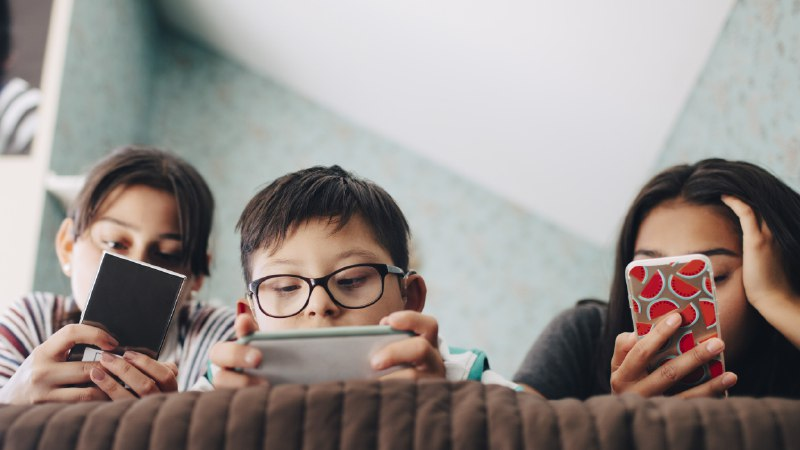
x=134, y=302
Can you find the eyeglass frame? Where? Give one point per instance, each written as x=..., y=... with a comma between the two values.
x=383, y=270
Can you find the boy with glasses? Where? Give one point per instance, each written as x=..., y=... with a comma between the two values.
x=322, y=248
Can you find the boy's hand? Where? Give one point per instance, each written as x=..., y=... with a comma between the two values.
x=142, y=374
x=420, y=352
x=229, y=356
x=47, y=376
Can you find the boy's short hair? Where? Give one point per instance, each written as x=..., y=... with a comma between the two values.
x=321, y=192
x=158, y=169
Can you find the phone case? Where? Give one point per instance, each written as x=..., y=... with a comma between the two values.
x=134, y=302
x=321, y=354
x=684, y=284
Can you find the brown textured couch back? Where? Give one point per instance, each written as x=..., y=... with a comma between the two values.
x=401, y=415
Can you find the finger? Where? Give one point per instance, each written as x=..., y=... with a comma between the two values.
x=416, y=352
x=671, y=372
x=403, y=374
x=109, y=385
x=75, y=394
x=747, y=218
x=622, y=346
x=233, y=355
x=65, y=373
x=161, y=373
x=244, y=325
x=714, y=387
x=234, y=380
x=172, y=367
x=127, y=373
x=637, y=359
x=57, y=345
x=420, y=324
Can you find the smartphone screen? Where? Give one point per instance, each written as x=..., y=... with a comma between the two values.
x=684, y=284
x=134, y=302
x=321, y=354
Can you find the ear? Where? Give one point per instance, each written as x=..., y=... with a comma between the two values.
x=65, y=242
x=245, y=319
x=416, y=291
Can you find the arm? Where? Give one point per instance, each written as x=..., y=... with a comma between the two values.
x=765, y=282
x=559, y=364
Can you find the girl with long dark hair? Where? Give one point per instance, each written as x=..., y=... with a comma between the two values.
x=747, y=222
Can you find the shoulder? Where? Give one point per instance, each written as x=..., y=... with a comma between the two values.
x=200, y=318
x=585, y=316
x=42, y=304
x=470, y=364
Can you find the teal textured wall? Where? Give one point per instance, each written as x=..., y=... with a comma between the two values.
x=105, y=97
x=496, y=274
x=746, y=104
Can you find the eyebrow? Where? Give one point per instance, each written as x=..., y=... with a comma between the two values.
x=170, y=236
x=340, y=256
x=709, y=252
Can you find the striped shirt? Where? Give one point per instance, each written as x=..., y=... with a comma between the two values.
x=19, y=103
x=34, y=318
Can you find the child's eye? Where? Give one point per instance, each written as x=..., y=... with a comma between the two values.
x=281, y=286
x=113, y=245
x=720, y=279
x=351, y=283
x=170, y=257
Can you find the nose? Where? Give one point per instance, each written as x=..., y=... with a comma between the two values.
x=320, y=304
x=139, y=253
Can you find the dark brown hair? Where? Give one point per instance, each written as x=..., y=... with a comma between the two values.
x=321, y=192
x=129, y=166
x=775, y=368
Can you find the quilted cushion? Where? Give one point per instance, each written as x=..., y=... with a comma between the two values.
x=401, y=415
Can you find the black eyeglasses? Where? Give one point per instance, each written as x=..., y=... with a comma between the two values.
x=352, y=287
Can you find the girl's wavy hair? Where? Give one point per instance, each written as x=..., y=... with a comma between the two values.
x=773, y=368
x=146, y=166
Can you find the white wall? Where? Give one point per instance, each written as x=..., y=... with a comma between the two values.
x=22, y=178
x=559, y=106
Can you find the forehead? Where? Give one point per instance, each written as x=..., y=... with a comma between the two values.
x=140, y=203
x=676, y=227
x=320, y=242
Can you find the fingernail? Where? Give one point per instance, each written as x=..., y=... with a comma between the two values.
x=98, y=374
x=714, y=346
x=130, y=355
x=728, y=379
x=673, y=319
x=105, y=357
x=377, y=363
x=112, y=343
x=251, y=357
x=240, y=308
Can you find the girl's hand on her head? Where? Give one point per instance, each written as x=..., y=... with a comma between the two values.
x=420, y=353
x=763, y=273
x=631, y=356
x=142, y=374
x=765, y=283
x=46, y=375
x=231, y=356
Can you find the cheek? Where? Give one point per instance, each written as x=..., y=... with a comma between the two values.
x=85, y=262
x=266, y=323
x=732, y=304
